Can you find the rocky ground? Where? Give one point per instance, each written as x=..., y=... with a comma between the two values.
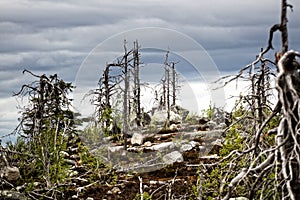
x=175, y=171
x=160, y=163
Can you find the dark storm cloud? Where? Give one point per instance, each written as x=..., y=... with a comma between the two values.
x=53, y=36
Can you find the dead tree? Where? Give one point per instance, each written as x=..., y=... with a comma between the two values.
x=270, y=169
x=168, y=93
x=107, y=88
x=46, y=125
x=288, y=138
x=174, y=81
x=164, y=82
x=169, y=86
x=125, y=65
x=137, y=84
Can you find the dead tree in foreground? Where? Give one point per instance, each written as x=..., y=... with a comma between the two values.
x=288, y=138
x=270, y=170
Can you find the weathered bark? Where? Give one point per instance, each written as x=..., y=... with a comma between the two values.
x=125, y=103
x=283, y=26
x=288, y=138
x=137, y=85
x=174, y=75
x=164, y=81
x=168, y=96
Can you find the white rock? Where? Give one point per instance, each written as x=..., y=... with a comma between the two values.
x=162, y=146
x=109, y=192
x=137, y=138
x=115, y=149
x=239, y=198
x=211, y=124
x=217, y=142
x=221, y=126
x=173, y=157
x=116, y=190
x=202, y=149
x=186, y=147
x=147, y=144
x=173, y=127
x=160, y=117
x=194, y=143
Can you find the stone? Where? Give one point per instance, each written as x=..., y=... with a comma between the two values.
x=160, y=117
x=202, y=149
x=180, y=111
x=115, y=149
x=239, y=198
x=147, y=144
x=109, y=192
x=137, y=139
x=211, y=125
x=217, y=142
x=194, y=144
x=221, y=126
x=162, y=146
x=89, y=198
x=173, y=157
x=10, y=173
x=11, y=195
x=173, y=127
x=186, y=147
x=116, y=190
x=216, y=146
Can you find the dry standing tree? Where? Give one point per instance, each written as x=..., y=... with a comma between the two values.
x=267, y=163
x=47, y=123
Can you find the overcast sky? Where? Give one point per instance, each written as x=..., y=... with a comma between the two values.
x=56, y=36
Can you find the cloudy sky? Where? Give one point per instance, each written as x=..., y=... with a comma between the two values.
x=56, y=36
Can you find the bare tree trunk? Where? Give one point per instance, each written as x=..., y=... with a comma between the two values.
x=173, y=84
x=164, y=101
x=168, y=95
x=288, y=138
x=107, y=95
x=137, y=86
x=125, y=103
x=283, y=26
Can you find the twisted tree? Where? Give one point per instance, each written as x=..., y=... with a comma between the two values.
x=46, y=125
x=262, y=160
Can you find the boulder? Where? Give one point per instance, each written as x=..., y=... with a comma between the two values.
x=173, y=157
x=180, y=111
x=174, y=127
x=211, y=125
x=10, y=173
x=147, y=144
x=11, y=195
x=160, y=117
x=186, y=147
x=115, y=149
x=162, y=146
x=221, y=126
x=137, y=139
x=194, y=144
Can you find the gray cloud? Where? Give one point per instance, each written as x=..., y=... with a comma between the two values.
x=52, y=36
